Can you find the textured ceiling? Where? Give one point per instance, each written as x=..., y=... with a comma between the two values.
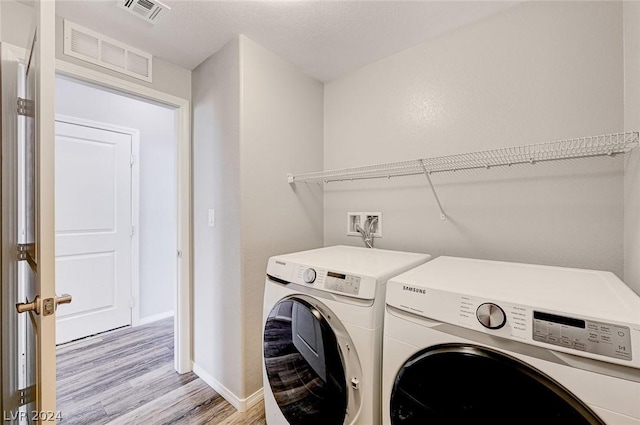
x=325, y=39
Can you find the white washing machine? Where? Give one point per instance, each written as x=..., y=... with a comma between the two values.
x=483, y=342
x=322, y=334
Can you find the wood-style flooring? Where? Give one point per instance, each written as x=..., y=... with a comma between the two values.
x=126, y=377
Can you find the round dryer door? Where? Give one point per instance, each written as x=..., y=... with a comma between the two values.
x=304, y=363
x=468, y=384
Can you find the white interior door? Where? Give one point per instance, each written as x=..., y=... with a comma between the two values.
x=93, y=229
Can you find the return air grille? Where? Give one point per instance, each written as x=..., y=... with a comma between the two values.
x=113, y=55
x=90, y=46
x=138, y=64
x=85, y=44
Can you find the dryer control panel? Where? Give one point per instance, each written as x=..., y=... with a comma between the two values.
x=600, y=338
x=340, y=282
x=334, y=281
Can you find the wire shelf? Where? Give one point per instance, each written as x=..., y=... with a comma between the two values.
x=605, y=145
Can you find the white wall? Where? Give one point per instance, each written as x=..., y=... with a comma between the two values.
x=541, y=71
x=632, y=162
x=281, y=132
x=15, y=22
x=158, y=196
x=256, y=117
x=217, y=323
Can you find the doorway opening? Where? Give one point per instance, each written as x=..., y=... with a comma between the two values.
x=182, y=306
x=116, y=209
x=116, y=239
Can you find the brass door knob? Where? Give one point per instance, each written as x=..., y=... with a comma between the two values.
x=29, y=306
x=63, y=299
x=50, y=304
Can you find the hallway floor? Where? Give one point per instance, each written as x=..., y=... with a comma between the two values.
x=126, y=377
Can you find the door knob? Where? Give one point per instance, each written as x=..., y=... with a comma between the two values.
x=63, y=299
x=29, y=306
x=49, y=304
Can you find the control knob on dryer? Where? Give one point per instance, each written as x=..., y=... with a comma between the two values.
x=491, y=316
x=309, y=275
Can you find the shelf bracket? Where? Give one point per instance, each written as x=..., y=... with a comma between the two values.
x=443, y=216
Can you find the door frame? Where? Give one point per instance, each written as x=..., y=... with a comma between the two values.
x=135, y=200
x=182, y=310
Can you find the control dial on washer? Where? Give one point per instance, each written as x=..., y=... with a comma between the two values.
x=309, y=275
x=491, y=316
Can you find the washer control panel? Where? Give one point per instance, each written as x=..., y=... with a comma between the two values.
x=340, y=282
x=593, y=337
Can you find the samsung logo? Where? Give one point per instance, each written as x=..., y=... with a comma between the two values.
x=281, y=263
x=412, y=289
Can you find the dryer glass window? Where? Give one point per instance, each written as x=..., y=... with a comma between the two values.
x=304, y=365
x=466, y=384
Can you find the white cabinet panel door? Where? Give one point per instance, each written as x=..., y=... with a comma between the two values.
x=93, y=229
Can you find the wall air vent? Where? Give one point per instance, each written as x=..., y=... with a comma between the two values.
x=149, y=10
x=90, y=46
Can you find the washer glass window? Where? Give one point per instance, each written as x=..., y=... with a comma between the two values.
x=304, y=365
x=468, y=384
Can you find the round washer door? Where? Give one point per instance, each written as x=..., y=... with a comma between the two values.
x=469, y=384
x=304, y=363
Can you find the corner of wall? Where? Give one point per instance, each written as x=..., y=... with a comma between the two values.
x=217, y=267
x=281, y=129
x=241, y=404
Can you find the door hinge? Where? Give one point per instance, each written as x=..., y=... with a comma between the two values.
x=22, y=397
x=132, y=159
x=132, y=231
x=27, y=395
x=132, y=302
x=26, y=252
x=179, y=253
x=26, y=107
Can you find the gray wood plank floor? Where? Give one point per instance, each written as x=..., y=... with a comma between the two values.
x=126, y=377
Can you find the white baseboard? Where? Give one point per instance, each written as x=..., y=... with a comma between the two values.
x=254, y=398
x=154, y=318
x=241, y=404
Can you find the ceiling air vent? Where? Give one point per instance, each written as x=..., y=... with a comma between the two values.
x=90, y=46
x=149, y=10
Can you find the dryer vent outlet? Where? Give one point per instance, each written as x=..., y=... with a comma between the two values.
x=361, y=219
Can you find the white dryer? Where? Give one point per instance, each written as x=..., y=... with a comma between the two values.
x=484, y=342
x=322, y=334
